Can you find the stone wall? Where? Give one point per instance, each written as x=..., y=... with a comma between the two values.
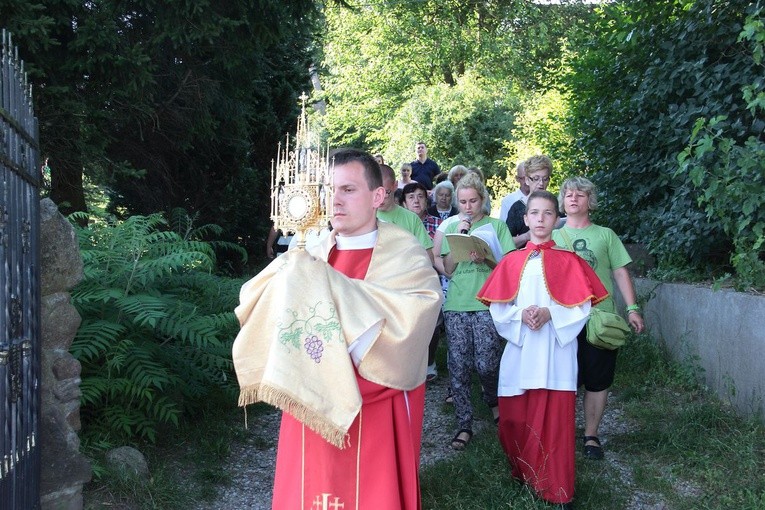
x=64, y=469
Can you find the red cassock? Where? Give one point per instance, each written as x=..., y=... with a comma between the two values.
x=379, y=467
x=537, y=433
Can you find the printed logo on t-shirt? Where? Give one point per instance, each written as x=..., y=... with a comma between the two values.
x=580, y=247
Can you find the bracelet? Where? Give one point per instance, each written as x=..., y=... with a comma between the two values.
x=633, y=308
x=633, y=311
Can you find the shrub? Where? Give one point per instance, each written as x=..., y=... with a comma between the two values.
x=729, y=174
x=157, y=326
x=643, y=76
x=538, y=129
x=462, y=124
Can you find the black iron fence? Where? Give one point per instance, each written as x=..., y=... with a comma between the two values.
x=20, y=282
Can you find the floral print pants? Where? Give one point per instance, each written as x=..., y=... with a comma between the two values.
x=473, y=344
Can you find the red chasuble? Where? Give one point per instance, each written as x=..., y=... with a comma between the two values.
x=379, y=468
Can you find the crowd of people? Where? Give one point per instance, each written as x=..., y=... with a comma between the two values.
x=513, y=306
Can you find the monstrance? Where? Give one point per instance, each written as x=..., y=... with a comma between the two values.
x=301, y=184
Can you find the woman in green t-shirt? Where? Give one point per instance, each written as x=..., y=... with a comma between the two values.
x=472, y=338
x=605, y=253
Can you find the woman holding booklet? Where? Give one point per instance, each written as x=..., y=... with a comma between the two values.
x=473, y=340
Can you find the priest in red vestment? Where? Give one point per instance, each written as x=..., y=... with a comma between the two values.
x=337, y=337
x=539, y=298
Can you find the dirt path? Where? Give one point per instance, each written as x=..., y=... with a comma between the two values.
x=251, y=463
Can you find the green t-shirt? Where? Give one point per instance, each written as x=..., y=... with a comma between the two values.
x=469, y=277
x=601, y=248
x=409, y=221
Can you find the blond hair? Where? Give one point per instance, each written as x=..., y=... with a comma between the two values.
x=538, y=163
x=472, y=180
x=579, y=184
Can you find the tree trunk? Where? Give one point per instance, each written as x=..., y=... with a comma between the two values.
x=66, y=186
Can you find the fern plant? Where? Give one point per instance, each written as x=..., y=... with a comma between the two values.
x=157, y=325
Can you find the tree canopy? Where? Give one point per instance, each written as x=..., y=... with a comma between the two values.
x=165, y=103
x=641, y=82
x=398, y=69
x=182, y=104
x=659, y=103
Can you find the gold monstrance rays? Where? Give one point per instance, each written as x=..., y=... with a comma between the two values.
x=301, y=184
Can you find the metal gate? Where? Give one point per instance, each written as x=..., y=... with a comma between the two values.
x=20, y=283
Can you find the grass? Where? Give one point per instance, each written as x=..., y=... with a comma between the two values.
x=677, y=447
x=681, y=448
x=186, y=468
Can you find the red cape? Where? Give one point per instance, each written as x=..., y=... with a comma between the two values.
x=569, y=279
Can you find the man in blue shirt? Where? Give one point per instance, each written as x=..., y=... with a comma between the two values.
x=424, y=170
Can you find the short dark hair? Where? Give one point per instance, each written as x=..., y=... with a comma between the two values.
x=386, y=172
x=413, y=186
x=372, y=172
x=543, y=194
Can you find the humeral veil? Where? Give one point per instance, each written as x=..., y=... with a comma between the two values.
x=326, y=348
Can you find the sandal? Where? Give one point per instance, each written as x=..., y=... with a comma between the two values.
x=458, y=443
x=594, y=452
x=432, y=373
x=449, y=398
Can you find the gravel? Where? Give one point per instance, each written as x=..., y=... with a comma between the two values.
x=252, y=461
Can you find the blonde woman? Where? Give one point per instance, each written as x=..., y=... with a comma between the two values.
x=473, y=342
x=538, y=173
x=605, y=253
x=406, y=175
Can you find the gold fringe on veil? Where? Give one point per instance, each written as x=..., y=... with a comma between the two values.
x=289, y=404
x=299, y=315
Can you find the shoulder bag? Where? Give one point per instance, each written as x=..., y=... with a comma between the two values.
x=605, y=330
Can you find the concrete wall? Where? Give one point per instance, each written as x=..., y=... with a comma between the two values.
x=724, y=330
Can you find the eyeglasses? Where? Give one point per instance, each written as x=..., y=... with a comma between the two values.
x=388, y=192
x=539, y=178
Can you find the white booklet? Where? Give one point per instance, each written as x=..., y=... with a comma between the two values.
x=482, y=240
